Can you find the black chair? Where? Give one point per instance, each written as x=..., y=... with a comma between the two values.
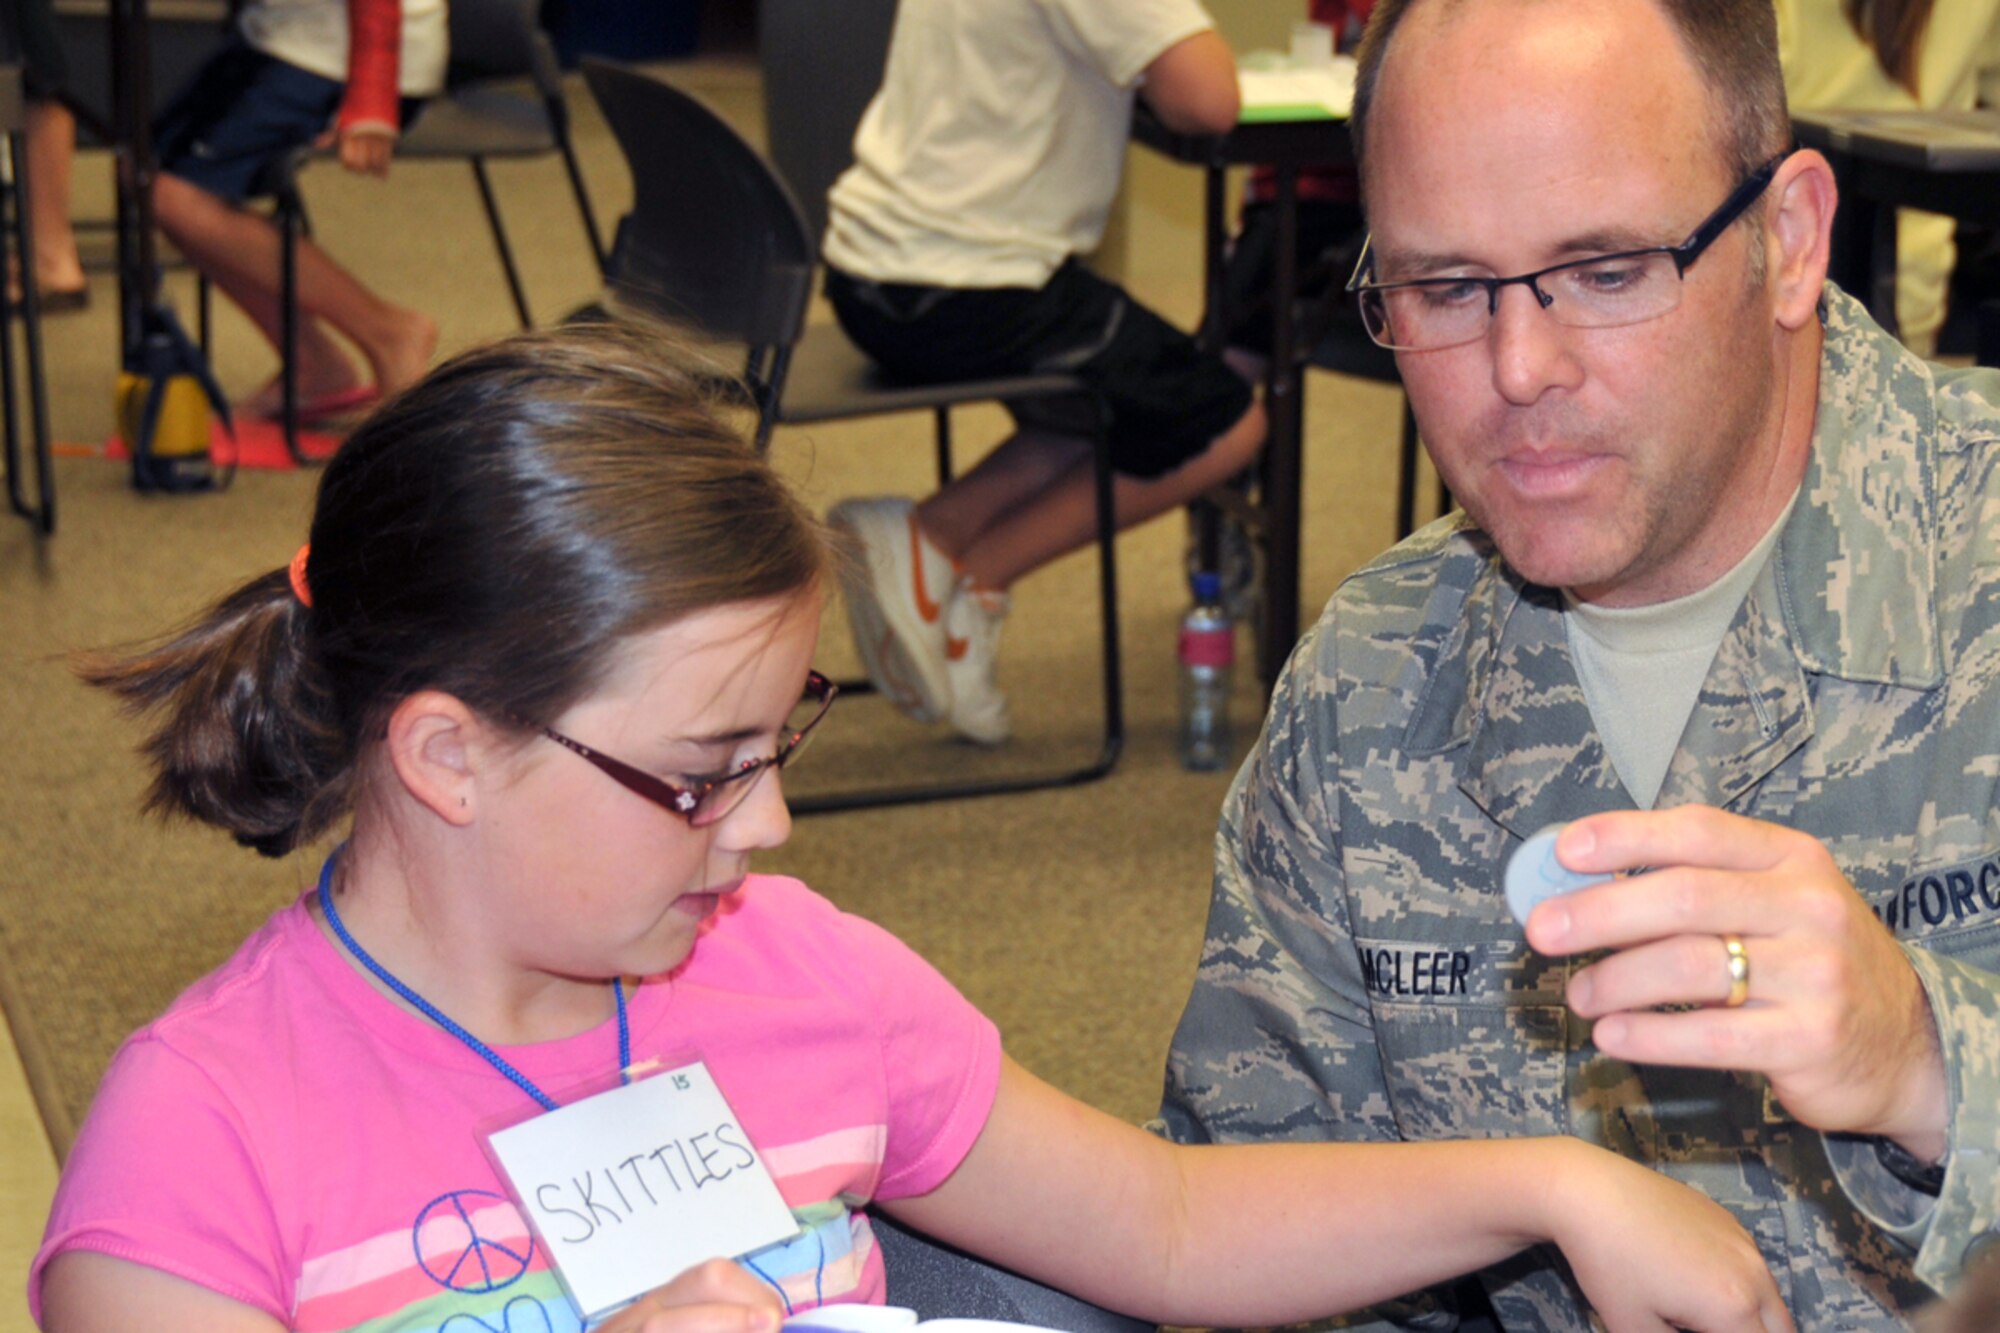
x=715, y=241
x=503, y=97
x=939, y=1282
x=17, y=241
x=822, y=62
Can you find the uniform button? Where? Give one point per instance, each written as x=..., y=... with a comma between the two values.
x=1982, y=1248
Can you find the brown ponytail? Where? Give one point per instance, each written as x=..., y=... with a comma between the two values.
x=249, y=744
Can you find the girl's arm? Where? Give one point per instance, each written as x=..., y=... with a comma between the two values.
x=86, y=1292
x=1278, y=1233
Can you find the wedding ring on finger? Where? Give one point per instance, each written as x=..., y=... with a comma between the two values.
x=1739, y=971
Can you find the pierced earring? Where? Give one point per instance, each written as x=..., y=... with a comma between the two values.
x=461, y=803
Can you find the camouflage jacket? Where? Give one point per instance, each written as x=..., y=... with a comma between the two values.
x=1362, y=978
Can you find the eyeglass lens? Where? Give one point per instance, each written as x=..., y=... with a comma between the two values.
x=727, y=793
x=1598, y=293
x=1605, y=291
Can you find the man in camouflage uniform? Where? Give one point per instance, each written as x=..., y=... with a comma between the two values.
x=1823, y=794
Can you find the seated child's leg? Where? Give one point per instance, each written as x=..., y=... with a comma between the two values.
x=243, y=114
x=51, y=150
x=1178, y=420
x=238, y=251
x=1063, y=516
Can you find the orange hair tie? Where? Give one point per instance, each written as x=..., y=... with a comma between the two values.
x=300, y=589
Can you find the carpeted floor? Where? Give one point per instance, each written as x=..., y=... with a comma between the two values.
x=1072, y=916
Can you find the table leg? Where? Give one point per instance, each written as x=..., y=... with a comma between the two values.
x=1854, y=225
x=1214, y=256
x=1204, y=519
x=1280, y=469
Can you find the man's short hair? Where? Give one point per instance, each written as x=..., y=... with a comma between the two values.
x=1733, y=43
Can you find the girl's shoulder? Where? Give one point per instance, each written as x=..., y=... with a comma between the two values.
x=283, y=1002
x=274, y=958
x=780, y=918
x=777, y=935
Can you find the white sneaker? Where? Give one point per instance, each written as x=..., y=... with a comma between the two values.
x=898, y=626
x=972, y=621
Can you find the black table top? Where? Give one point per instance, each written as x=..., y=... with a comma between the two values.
x=1937, y=141
x=1273, y=142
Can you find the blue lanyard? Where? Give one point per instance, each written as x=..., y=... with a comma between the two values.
x=432, y=1012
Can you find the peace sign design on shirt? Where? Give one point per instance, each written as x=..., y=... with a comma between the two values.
x=457, y=1256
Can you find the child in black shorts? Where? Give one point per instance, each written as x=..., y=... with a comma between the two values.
x=987, y=162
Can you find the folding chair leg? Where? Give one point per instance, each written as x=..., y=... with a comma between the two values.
x=1114, y=706
x=38, y=390
x=288, y=326
x=9, y=407
x=41, y=515
x=583, y=206
x=944, y=445
x=770, y=387
x=500, y=242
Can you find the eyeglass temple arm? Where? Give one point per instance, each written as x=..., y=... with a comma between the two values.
x=1364, y=263
x=1732, y=208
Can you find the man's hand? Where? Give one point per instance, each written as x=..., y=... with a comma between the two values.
x=712, y=1297
x=1835, y=1016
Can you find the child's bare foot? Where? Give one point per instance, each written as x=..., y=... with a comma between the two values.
x=60, y=274
x=402, y=360
x=60, y=285
x=317, y=385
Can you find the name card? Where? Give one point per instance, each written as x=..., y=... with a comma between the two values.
x=629, y=1187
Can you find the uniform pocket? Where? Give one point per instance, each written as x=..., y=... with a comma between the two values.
x=1473, y=1071
x=1473, y=1036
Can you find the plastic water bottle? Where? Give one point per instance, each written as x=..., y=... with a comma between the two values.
x=1207, y=653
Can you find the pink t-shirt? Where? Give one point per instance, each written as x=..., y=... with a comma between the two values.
x=288, y=1137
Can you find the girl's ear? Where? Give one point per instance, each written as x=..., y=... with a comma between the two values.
x=434, y=745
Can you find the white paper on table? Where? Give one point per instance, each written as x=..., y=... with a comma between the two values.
x=1330, y=86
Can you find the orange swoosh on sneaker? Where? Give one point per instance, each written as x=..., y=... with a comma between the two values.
x=954, y=649
x=926, y=608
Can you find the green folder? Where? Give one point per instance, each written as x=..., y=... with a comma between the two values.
x=1265, y=115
